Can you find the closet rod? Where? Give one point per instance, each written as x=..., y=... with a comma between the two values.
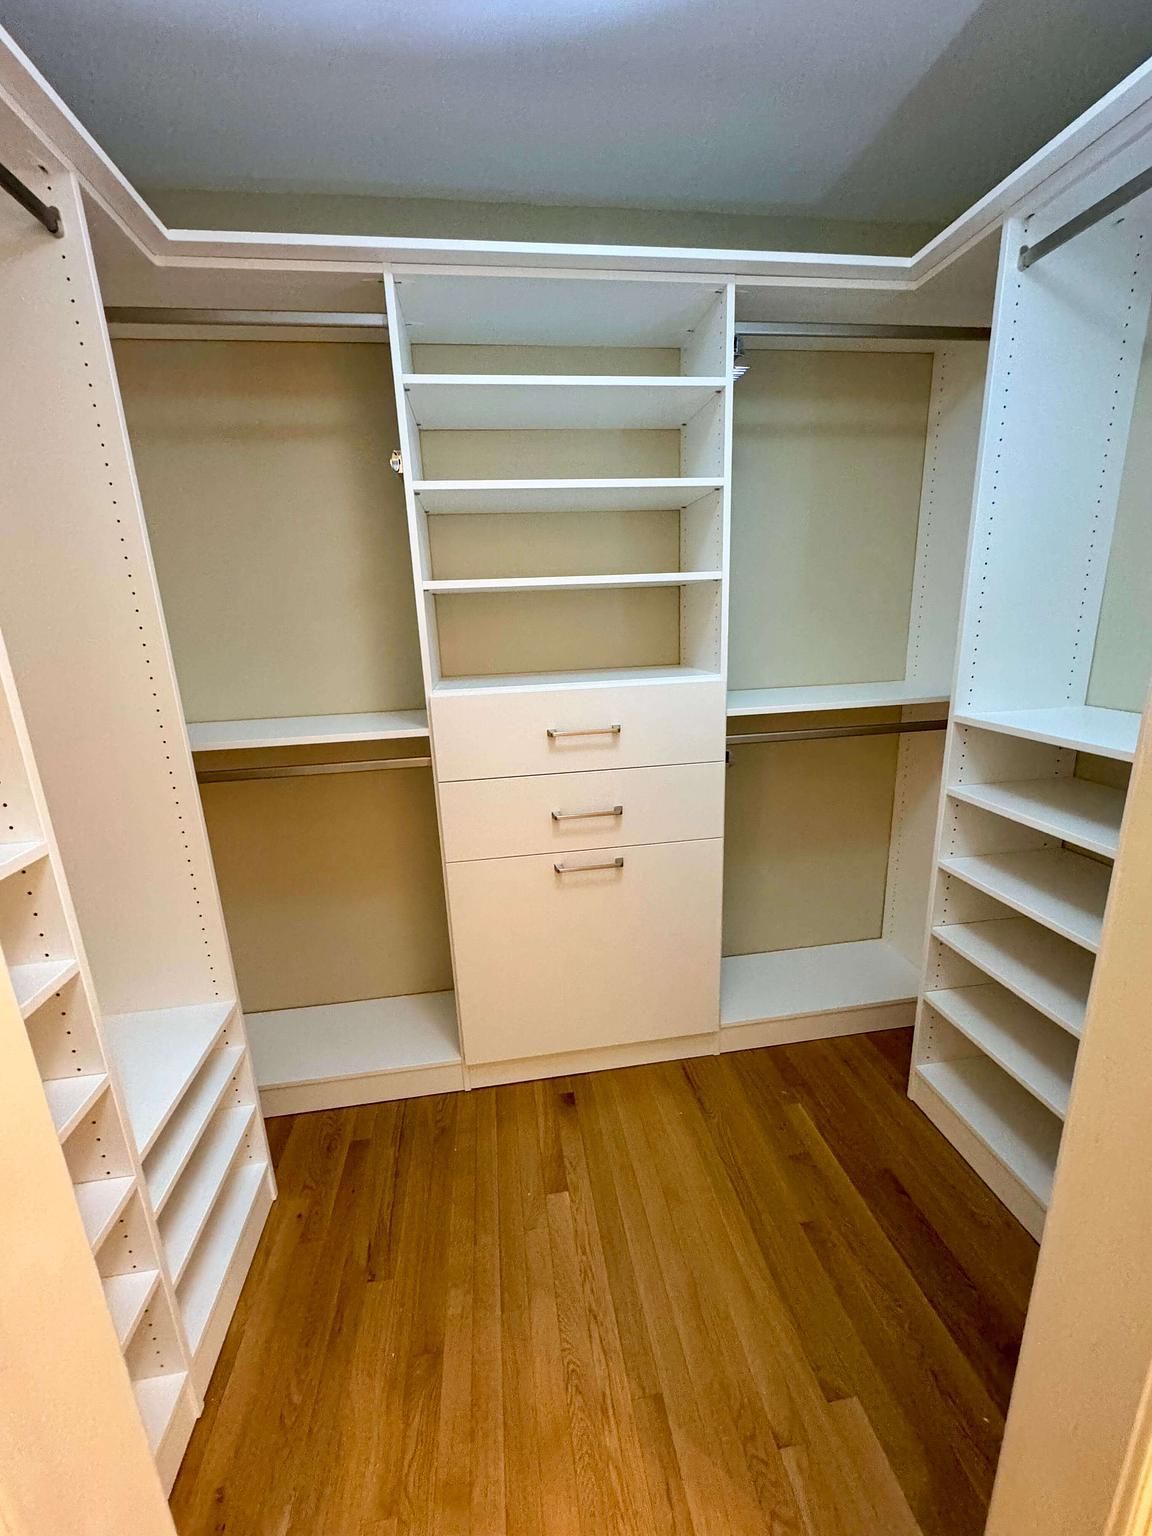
x=879, y=332
x=826, y=732
x=48, y=215
x=308, y=770
x=1031, y=254
x=120, y=314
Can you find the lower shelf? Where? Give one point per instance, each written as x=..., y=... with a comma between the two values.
x=127, y=1296
x=338, y=1053
x=157, y=1398
x=826, y=978
x=205, y=1276
x=1030, y=1048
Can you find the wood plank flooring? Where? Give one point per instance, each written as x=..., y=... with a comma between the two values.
x=745, y=1294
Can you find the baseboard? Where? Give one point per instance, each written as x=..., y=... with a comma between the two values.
x=816, y=1026
x=368, y=1088
x=572, y=1063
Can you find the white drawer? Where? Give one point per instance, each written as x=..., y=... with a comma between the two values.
x=621, y=725
x=549, y=962
x=552, y=813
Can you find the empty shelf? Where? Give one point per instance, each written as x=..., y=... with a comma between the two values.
x=652, y=495
x=34, y=984
x=571, y=583
x=70, y=1098
x=157, y=1398
x=101, y=1202
x=486, y=401
x=1073, y=810
x=17, y=856
x=1047, y=971
x=341, y=1040
x=170, y=1155
x=187, y=1213
x=1107, y=732
x=127, y=1296
x=205, y=1276
x=773, y=701
x=1064, y=891
x=1040, y=1056
x=534, y=680
x=826, y=978
x=306, y=730
x=1018, y=1131
x=157, y=1054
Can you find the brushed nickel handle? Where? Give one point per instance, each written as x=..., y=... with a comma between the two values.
x=579, y=869
x=553, y=731
x=609, y=810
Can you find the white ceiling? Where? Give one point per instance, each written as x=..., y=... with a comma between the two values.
x=867, y=109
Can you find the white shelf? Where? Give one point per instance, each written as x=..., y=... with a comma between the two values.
x=34, y=984
x=1085, y=728
x=347, y=1040
x=157, y=1054
x=306, y=730
x=784, y=701
x=826, y=978
x=571, y=583
x=622, y=676
x=1041, y=1057
x=70, y=1099
x=101, y=1202
x=494, y=401
x=206, y=1274
x=169, y=1156
x=187, y=1213
x=127, y=1297
x=652, y=495
x=157, y=1398
x=1018, y=1131
x=1073, y=810
x=17, y=856
x=1047, y=971
x=1064, y=891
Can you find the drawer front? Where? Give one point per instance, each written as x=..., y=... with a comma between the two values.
x=555, y=813
x=549, y=962
x=494, y=735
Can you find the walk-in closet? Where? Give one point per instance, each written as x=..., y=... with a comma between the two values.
x=574, y=847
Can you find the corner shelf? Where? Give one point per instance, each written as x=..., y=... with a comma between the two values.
x=157, y=1054
x=632, y=495
x=571, y=583
x=1063, y=891
x=1083, y=727
x=784, y=701
x=1051, y=974
x=306, y=730
x=493, y=401
x=1071, y=809
x=1039, y=1056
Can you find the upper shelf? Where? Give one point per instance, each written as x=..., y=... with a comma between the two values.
x=496, y=401
x=531, y=681
x=1084, y=727
x=784, y=701
x=653, y=495
x=572, y=583
x=306, y=730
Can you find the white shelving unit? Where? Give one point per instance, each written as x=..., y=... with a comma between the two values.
x=1082, y=727
x=1059, y=890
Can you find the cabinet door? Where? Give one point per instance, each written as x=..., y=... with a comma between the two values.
x=556, y=954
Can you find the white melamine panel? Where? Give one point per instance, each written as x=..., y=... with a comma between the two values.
x=487, y=402
x=1041, y=1057
x=1074, y=810
x=173, y=1149
x=824, y=978
x=277, y=526
x=15, y=858
x=566, y=496
x=307, y=730
x=1048, y=972
x=582, y=362
x=552, y=455
x=1085, y=728
x=39, y=980
x=615, y=580
x=100, y=1202
x=1063, y=891
x=550, y=962
x=127, y=1296
x=554, y=813
x=157, y=1055
x=350, y=1040
x=512, y=544
x=911, y=857
x=494, y=734
x=187, y=1213
x=787, y=701
x=71, y=1098
x=216, y=1249
x=158, y=1398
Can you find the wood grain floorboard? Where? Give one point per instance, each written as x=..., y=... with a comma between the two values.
x=747, y=1295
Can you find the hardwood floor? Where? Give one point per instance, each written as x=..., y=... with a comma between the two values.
x=746, y=1294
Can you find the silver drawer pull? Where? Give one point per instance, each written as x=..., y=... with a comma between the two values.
x=579, y=869
x=609, y=810
x=554, y=731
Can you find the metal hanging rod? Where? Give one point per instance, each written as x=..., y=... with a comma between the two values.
x=308, y=770
x=863, y=332
x=119, y=314
x=827, y=732
x=1120, y=198
x=48, y=214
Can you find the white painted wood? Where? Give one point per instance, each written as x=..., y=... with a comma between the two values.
x=489, y=402
x=1041, y=1057
x=828, y=978
x=492, y=734
x=801, y=1027
x=784, y=701
x=572, y=583
x=549, y=961
x=187, y=1212
x=71, y=1098
x=506, y=817
x=1048, y=972
x=1083, y=727
x=1063, y=891
x=16, y=857
x=101, y=1202
x=1072, y=809
x=157, y=1054
x=127, y=1296
x=353, y=1041
x=174, y=1147
x=601, y=495
x=213, y=1258
x=307, y=730
x=35, y=983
